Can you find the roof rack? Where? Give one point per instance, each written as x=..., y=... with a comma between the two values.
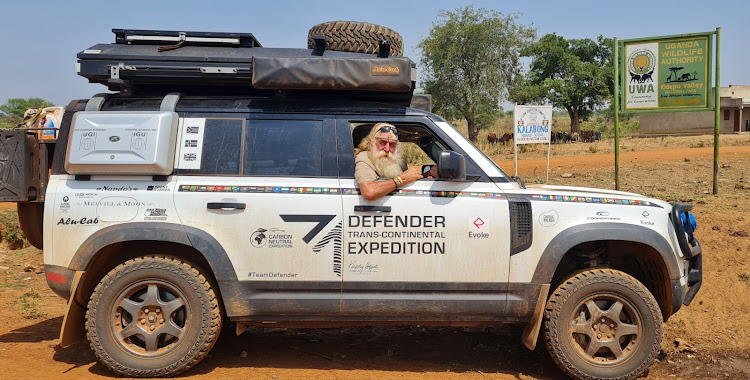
x=158, y=37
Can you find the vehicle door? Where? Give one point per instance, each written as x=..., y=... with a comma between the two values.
x=263, y=189
x=433, y=248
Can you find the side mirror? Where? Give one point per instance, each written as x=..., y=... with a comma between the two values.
x=451, y=166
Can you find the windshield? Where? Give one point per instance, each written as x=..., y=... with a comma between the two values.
x=487, y=165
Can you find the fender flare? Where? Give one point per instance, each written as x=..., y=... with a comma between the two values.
x=212, y=251
x=583, y=233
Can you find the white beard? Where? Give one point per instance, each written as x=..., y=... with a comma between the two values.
x=387, y=165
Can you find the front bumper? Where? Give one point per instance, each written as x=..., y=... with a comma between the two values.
x=695, y=278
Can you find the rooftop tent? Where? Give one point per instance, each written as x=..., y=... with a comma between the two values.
x=204, y=62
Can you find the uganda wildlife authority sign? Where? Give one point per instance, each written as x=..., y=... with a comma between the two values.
x=667, y=73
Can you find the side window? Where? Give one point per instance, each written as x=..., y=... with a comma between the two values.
x=220, y=151
x=417, y=145
x=283, y=148
x=418, y=152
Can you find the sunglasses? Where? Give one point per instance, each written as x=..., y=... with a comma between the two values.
x=389, y=128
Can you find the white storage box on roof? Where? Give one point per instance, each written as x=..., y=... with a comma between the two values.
x=128, y=143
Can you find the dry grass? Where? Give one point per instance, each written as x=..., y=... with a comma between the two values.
x=628, y=143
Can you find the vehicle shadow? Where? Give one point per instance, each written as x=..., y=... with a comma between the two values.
x=410, y=349
x=48, y=329
x=402, y=349
x=77, y=355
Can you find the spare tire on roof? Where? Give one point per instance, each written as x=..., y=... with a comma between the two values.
x=355, y=37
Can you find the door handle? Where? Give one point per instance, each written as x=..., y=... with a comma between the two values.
x=225, y=205
x=366, y=208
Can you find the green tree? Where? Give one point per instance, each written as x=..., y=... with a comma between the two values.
x=18, y=106
x=470, y=59
x=9, y=121
x=11, y=113
x=575, y=74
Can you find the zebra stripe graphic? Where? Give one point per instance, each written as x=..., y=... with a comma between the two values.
x=336, y=235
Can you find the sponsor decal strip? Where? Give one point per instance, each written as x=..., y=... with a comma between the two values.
x=615, y=201
x=330, y=190
x=260, y=189
x=404, y=192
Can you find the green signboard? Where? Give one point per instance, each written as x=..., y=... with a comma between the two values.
x=667, y=73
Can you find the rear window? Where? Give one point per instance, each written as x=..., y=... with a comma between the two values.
x=220, y=148
x=290, y=148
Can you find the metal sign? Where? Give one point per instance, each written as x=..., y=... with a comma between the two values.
x=533, y=124
x=667, y=73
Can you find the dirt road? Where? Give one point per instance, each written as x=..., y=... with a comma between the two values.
x=710, y=339
x=599, y=160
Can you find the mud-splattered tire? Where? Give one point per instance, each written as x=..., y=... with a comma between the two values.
x=152, y=317
x=356, y=37
x=602, y=323
x=31, y=219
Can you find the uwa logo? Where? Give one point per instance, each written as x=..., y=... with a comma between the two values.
x=641, y=65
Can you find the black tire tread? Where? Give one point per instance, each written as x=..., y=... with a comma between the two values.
x=356, y=37
x=582, y=279
x=210, y=327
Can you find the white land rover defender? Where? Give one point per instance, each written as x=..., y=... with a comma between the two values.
x=217, y=185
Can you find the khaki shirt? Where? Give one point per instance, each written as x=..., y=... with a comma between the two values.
x=364, y=170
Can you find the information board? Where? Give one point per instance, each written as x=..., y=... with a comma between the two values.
x=533, y=124
x=670, y=73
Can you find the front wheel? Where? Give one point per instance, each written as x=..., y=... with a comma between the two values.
x=603, y=323
x=152, y=317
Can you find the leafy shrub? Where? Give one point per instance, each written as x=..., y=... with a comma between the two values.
x=11, y=229
x=29, y=303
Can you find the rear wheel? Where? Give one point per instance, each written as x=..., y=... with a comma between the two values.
x=152, y=317
x=603, y=323
x=355, y=37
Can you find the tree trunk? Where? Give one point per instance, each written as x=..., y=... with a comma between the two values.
x=575, y=124
x=473, y=131
x=471, y=123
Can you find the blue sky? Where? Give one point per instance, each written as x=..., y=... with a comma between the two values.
x=39, y=39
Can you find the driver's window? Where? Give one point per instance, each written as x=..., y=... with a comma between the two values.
x=417, y=145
